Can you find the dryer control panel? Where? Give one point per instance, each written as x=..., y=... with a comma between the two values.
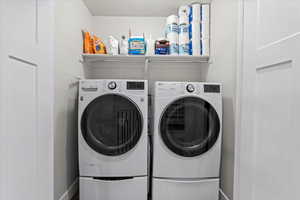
x=91, y=87
x=135, y=85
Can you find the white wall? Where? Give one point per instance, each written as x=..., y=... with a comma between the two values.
x=70, y=18
x=118, y=26
x=222, y=69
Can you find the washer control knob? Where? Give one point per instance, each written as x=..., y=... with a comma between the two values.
x=112, y=85
x=190, y=88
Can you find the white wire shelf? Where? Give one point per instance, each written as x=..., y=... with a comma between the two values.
x=94, y=58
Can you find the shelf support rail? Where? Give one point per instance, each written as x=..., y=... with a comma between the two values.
x=146, y=68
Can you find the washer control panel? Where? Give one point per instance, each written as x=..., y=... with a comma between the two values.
x=190, y=88
x=165, y=89
x=112, y=85
x=208, y=88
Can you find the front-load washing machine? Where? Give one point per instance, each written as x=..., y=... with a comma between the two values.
x=187, y=140
x=113, y=139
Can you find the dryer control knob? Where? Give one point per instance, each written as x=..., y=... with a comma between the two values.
x=190, y=88
x=112, y=85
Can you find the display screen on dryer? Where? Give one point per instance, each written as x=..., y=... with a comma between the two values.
x=135, y=85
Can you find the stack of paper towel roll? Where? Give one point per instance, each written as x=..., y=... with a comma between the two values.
x=184, y=39
x=199, y=18
x=172, y=34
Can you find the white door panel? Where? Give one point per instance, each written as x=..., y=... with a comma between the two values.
x=277, y=20
x=274, y=135
x=26, y=166
x=21, y=126
x=268, y=165
x=21, y=30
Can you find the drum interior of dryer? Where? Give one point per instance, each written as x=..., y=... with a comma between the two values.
x=112, y=124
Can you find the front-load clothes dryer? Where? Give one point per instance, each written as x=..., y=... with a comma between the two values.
x=113, y=123
x=187, y=140
x=113, y=139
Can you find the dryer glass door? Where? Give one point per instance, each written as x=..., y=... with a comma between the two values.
x=112, y=124
x=190, y=126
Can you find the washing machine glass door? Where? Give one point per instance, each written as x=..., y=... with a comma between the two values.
x=189, y=126
x=112, y=124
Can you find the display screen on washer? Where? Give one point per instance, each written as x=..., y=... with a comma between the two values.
x=112, y=124
x=212, y=88
x=135, y=85
x=190, y=126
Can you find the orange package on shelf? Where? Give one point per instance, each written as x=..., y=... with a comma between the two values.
x=98, y=46
x=88, y=43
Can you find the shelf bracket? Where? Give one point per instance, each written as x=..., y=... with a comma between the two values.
x=146, y=68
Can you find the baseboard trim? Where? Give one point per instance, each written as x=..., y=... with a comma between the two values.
x=71, y=191
x=223, y=196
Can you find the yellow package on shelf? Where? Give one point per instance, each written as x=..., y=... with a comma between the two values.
x=98, y=46
x=88, y=43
